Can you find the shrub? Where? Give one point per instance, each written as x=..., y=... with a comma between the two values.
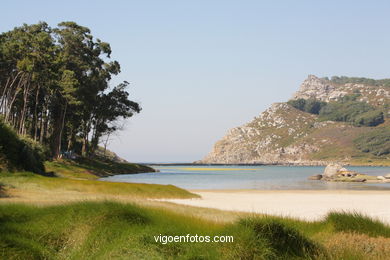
x=376, y=142
x=20, y=153
x=311, y=106
x=352, y=111
x=298, y=103
x=356, y=80
x=370, y=118
x=314, y=106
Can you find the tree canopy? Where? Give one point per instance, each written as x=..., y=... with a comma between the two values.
x=54, y=86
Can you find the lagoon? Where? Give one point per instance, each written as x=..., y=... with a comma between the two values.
x=249, y=177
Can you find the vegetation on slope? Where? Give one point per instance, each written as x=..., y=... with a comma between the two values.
x=311, y=106
x=18, y=153
x=364, y=145
x=359, y=80
x=93, y=168
x=106, y=230
x=23, y=154
x=352, y=111
x=376, y=142
x=347, y=109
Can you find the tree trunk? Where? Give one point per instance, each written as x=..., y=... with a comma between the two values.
x=11, y=102
x=58, y=125
x=35, y=120
x=24, y=109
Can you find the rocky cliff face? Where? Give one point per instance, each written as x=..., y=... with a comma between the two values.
x=285, y=135
x=325, y=90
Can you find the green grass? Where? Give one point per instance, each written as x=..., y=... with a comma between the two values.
x=107, y=230
x=86, y=168
x=26, y=181
x=19, y=153
x=358, y=223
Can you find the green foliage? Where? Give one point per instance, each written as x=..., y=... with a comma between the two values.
x=344, y=111
x=93, y=168
x=54, y=85
x=357, y=80
x=113, y=230
x=68, y=183
x=311, y=106
x=376, y=142
x=107, y=230
x=352, y=111
x=358, y=223
x=286, y=242
x=347, y=109
x=20, y=153
x=297, y=103
x=370, y=118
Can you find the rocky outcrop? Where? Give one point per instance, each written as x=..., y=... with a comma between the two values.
x=326, y=90
x=284, y=135
x=332, y=170
x=336, y=173
x=268, y=139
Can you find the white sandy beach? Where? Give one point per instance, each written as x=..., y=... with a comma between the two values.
x=308, y=205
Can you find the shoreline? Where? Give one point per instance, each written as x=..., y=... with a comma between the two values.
x=387, y=164
x=300, y=204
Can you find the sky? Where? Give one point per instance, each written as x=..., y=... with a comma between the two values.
x=199, y=68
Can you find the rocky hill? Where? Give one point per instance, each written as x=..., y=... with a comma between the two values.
x=283, y=134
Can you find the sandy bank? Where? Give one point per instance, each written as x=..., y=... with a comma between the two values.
x=307, y=205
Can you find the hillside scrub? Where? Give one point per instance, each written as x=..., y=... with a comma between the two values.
x=347, y=109
x=355, y=112
x=359, y=80
x=376, y=142
x=311, y=106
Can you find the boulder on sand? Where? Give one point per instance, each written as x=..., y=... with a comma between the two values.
x=387, y=176
x=332, y=170
x=316, y=177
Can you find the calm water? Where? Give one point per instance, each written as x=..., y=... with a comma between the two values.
x=249, y=177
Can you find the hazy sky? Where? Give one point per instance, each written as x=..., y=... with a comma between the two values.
x=199, y=68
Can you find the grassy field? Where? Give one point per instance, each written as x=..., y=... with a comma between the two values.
x=108, y=230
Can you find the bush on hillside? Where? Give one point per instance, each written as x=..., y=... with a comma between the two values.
x=370, y=118
x=355, y=112
x=311, y=106
x=376, y=142
x=357, y=80
x=347, y=109
x=20, y=153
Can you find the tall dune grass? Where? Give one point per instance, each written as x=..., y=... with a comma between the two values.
x=107, y=230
